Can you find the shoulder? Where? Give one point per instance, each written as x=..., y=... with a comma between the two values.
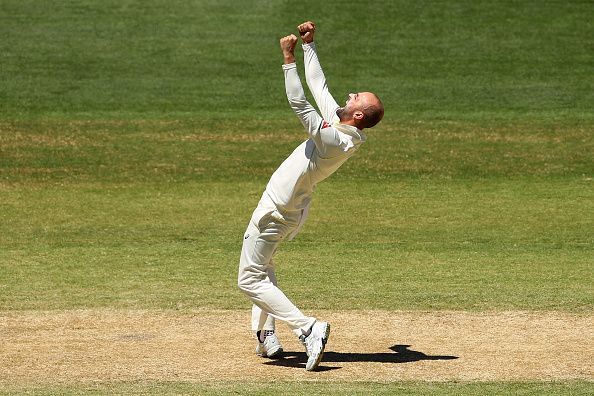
x=325, y=124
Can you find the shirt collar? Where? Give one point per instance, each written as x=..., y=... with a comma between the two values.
x=349, y=130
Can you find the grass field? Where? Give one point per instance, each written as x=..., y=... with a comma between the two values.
x=137, y=137
x=359, y=388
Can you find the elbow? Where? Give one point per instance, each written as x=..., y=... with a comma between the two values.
x=298, y=102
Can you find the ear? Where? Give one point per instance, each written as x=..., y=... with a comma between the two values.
x=358, y=115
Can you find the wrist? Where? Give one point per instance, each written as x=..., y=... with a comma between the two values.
x=289, y=58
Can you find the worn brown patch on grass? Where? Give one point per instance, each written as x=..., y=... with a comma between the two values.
x=104, y=345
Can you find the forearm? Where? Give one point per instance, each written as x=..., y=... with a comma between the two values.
x=296, y=97
x=316, y=81
x=314, y=74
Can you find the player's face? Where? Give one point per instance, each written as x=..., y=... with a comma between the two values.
x=351, y=104
x=358, y=103
x=353, y=97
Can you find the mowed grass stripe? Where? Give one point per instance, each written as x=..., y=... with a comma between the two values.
x=527, y=388
x=38, y=153
x=424, y=244
x=177, y=59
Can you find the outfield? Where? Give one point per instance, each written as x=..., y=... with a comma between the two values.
x=136, y=139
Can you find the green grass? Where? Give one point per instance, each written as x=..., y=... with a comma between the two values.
x=150, y=214
x=520, y=244
x=171, y=59
x=136, y=138
x=139, y=152
x=573, y=388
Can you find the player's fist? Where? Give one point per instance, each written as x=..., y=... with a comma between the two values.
x=306, y=31
x=288, y=43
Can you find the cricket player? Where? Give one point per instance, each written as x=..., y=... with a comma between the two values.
x=333, y=137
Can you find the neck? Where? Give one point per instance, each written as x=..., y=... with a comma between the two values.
x=350, y=122
x=346, y=121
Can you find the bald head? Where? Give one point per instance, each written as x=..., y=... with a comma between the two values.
x=363, y=110
x=373, y=110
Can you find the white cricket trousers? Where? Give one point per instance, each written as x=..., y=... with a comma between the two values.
x=266, y=230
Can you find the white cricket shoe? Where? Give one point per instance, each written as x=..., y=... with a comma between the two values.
x=315, y=343
x=271, y=347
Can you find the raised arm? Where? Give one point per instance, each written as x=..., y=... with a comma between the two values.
x=306, y=113
x=316, y=80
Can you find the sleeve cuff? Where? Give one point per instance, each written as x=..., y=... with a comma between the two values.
x=307, y=46
x=287, y=66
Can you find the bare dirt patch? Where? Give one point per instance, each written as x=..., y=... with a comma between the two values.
x=105, y=345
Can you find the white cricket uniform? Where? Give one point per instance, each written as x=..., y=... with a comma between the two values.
x=284, y=205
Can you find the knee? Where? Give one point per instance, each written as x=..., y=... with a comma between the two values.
x=241, y=284
x=251, y=284
x=244, y=283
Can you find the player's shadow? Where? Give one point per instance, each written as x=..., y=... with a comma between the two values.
x=401, y=354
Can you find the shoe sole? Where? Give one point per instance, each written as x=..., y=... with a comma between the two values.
x=274, y=352
x=321, y=354
x=271, y=354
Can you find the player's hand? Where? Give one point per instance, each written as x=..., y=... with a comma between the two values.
x=306, y=31
x=287, y=45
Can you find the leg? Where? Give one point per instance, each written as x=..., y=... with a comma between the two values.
x=254, y=280
x=260, y=319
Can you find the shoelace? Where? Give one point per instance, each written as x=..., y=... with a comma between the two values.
x=268, y=333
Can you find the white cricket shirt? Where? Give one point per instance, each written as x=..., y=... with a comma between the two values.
x=329, y=145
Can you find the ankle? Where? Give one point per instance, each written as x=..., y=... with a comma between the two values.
x=307, y=332
x=262, y=334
